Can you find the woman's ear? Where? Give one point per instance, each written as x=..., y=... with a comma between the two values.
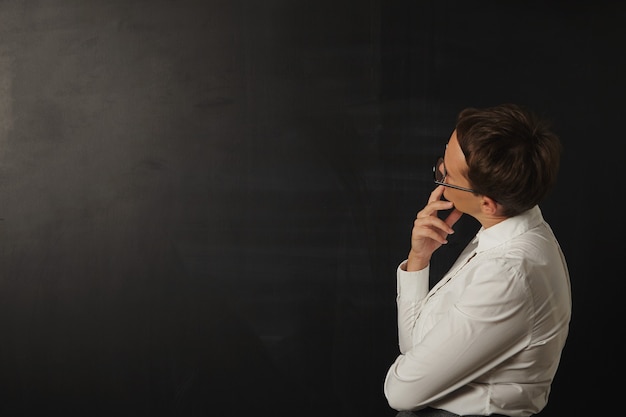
x=489, y=206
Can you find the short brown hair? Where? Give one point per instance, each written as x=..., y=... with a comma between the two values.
x=512, y=155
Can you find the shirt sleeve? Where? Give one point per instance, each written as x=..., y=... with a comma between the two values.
x=412, y=288
x=488, y=324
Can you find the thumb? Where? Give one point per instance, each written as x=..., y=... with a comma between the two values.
x=453, y=217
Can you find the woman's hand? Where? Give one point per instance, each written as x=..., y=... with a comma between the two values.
x=429, y=231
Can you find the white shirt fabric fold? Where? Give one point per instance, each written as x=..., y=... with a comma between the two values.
x=488, y=337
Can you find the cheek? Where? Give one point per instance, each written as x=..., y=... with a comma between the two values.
x=452, y=195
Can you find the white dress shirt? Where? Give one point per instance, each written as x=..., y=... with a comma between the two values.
x=488, y=337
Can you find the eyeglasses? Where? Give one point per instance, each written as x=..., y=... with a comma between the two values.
x=439, y=171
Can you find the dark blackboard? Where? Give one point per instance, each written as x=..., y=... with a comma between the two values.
x=204, y=202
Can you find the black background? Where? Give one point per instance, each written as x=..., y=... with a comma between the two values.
x=204, y=202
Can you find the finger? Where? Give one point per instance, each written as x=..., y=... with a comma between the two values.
x=434, y=234
x=433, y=223
x=437, y=231
x=433, y=207
x=436, y=194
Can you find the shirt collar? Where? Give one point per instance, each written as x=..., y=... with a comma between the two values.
x=507, y=229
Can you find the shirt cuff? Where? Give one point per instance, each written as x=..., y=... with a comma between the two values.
x=412, y=284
